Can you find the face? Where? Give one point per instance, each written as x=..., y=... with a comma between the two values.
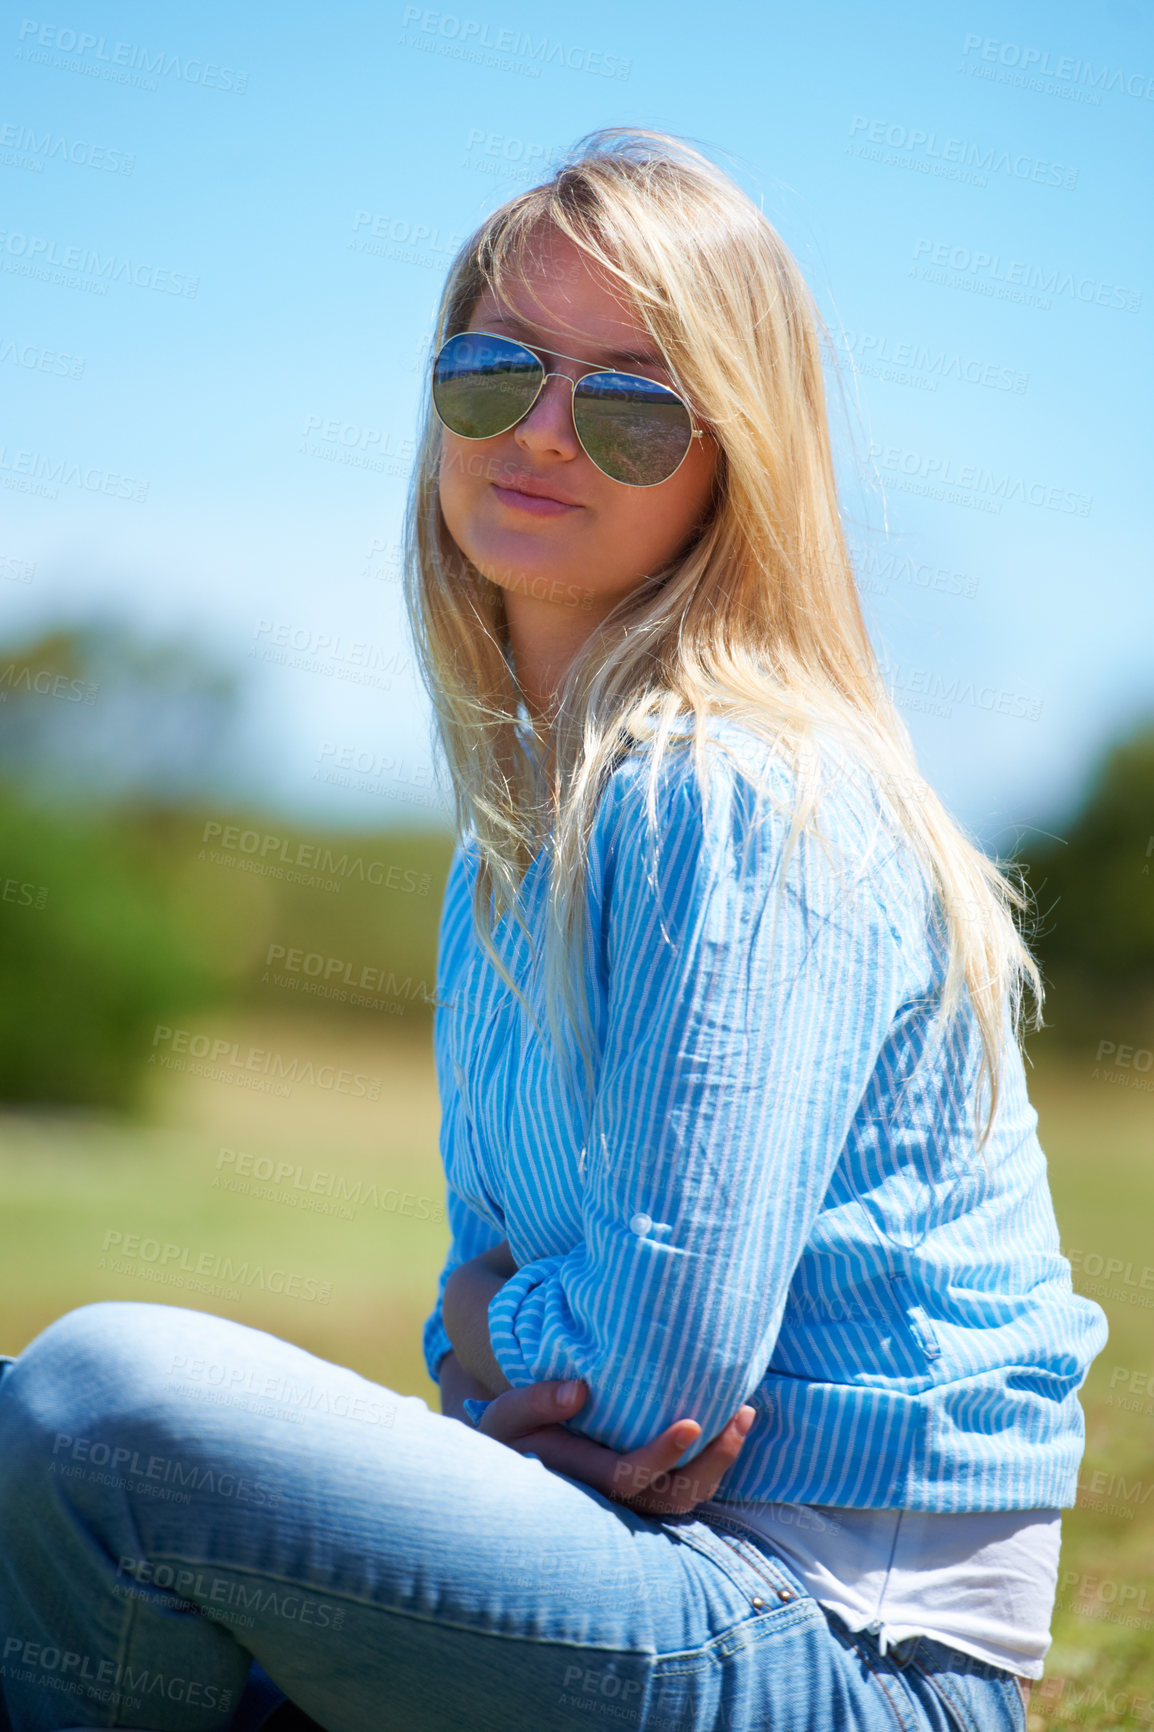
x=577, y=554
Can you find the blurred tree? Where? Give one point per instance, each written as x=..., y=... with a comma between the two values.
x=94, y=710
x=113, y=916
x=93, y=954
x=1095, y=898
x=101, y=733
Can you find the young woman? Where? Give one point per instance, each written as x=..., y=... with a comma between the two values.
x=754, y=1312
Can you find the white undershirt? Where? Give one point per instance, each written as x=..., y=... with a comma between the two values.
x=983, y=1582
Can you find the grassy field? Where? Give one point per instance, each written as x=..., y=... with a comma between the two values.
x=341, y=1194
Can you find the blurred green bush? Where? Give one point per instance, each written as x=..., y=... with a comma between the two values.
x=1094, y=891
x=134, y=892
x=92, y=953
x=113, y=921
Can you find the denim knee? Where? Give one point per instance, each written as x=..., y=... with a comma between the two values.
x=83, y=1368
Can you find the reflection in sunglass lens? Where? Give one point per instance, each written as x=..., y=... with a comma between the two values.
x=635, y=430
x=484, y=385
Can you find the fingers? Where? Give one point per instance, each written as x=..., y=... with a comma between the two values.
x=643, y=1478
x=517, y=1412
x=533, y=1418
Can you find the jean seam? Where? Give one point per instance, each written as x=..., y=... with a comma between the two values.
x=956, y=1711
x=770, y=1568
x=131, y=1606
x=734, y=1564
x=880, y=1679
x=881, y=1669
x=883, y=1676
x=399, y=1611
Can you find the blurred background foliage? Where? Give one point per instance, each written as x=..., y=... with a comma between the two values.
x=120, y=909
x=1094, y=890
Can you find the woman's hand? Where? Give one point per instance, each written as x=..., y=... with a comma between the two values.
x=530, y=1420
x=465, y=1312
x=456, y=1385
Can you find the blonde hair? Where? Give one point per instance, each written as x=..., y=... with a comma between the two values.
x=757, y=619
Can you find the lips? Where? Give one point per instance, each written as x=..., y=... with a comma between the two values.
x=527, y=484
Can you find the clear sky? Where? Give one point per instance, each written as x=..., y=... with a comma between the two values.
x=211, y=435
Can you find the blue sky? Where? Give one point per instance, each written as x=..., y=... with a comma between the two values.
x=964, y=187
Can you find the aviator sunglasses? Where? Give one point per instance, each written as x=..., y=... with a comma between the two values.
x=636, y=431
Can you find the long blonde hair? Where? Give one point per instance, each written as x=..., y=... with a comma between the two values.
x=757, y=619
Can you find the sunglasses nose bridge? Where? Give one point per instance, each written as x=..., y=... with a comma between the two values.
x=541, y=392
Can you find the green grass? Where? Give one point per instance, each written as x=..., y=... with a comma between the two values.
x=69, y=1184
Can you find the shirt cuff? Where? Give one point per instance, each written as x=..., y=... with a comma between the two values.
x=436, y=1344
x=517, y=1321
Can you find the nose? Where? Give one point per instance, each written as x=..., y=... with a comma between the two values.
x=548, y=427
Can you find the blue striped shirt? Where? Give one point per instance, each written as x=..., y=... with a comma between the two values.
x=773, y=1195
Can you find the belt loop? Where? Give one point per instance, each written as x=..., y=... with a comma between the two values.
x=903, y=1652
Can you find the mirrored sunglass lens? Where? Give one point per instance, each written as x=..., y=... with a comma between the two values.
x=633, y=429
x=483, y=386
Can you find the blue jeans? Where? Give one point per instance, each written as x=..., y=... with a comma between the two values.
x=187, y=1503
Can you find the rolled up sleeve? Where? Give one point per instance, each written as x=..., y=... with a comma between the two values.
x=748, y=999
x=470, y=1236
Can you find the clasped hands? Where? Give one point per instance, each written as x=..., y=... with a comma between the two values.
x=531, y=1420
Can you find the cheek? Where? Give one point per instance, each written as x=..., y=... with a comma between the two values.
x=458, y=485
x=454, y=476
x=662, y=521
